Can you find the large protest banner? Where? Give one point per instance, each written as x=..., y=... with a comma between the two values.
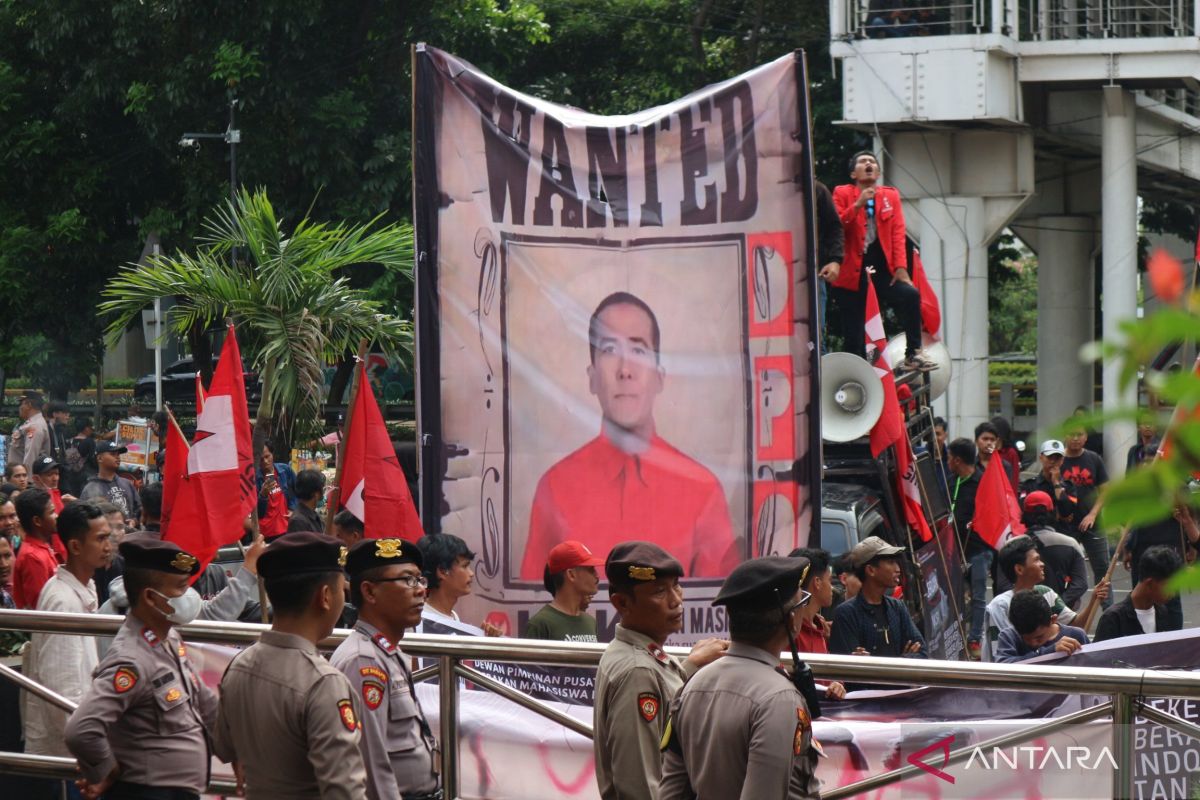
x=616, y=328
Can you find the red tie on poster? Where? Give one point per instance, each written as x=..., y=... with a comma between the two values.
x=373, y=486
x=997, y=512
x=889, y=429
x=217, y=492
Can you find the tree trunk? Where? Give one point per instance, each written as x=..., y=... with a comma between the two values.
x=341, y=379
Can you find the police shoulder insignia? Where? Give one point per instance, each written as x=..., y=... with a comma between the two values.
x=124, y=679
x=648, y=706
x=372, y=693
x=373, y=672
x=659, y=654
x=173, y=694
x=150, y=636
x=804, y=722
x=182, y=651
x=346, y=712
x=383, y=642
x=803, y=716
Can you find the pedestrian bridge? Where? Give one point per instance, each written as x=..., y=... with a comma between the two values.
x=1051, y=117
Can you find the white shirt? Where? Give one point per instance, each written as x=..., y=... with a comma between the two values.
x=1146, y=619
x=61, y=662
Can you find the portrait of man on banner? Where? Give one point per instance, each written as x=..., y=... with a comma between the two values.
x=627, y=401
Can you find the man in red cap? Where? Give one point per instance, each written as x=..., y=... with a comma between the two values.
x=570, y=577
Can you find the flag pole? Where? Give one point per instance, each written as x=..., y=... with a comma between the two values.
x=335, y=493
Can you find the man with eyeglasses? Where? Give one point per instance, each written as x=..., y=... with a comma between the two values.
x=397, y=745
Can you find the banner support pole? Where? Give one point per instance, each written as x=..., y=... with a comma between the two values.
x=335, y=493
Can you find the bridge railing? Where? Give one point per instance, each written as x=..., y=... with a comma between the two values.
x=1126, y=688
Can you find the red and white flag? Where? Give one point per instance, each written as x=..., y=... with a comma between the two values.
x=889, y=429
x=373, y=486
x=218, y=491
x=997, y=512
x=931, y=312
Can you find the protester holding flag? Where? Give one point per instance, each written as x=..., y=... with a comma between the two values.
x=964, y=488
x=1063, y=557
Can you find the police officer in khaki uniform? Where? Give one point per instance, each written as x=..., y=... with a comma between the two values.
x=141, y=731
x=742, y=728
x=288, y=717
x=387, y=587
x=637, y=679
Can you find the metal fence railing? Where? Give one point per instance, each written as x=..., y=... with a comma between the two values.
x=1054, y=20
x=1044, y=20
x=1126, y=688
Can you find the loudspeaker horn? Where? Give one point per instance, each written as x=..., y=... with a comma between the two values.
x=935, y=351
x=851, y=397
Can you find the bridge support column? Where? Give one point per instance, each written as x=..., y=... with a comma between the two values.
x=1119, y=238
x=1064, y=317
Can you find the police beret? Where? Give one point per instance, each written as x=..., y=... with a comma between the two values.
x=301, y=553
x=370, y=553
x=762, y=582
x=157, y=555
x=640, y=561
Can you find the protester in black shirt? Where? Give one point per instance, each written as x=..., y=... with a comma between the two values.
x=1178, y=532
x=963, y=484
x=1145, y=448
x=1050, y=481
x=1085, y=470
x=1145, y=609
x=874, y=623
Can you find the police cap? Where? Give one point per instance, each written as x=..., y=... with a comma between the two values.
x=762, y=582
x=640, y=561
x=301, y=553
x=370, y=553
x=157, y=555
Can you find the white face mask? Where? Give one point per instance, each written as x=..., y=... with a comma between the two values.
x=184, y=608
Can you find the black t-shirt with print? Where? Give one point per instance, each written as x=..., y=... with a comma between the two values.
x=1087, y=473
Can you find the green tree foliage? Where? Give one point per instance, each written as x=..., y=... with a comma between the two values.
x=95, y=97
x=288, y=293
x=1012, y=298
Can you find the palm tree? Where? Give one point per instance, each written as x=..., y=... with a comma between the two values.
x=288, y=293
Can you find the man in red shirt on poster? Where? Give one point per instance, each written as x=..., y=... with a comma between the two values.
x=628, y=483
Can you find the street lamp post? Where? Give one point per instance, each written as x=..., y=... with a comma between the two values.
x=232, y=136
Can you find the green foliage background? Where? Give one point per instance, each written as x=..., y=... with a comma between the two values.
x=94, y=98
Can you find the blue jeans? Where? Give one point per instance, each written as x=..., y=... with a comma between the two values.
x=980, y=565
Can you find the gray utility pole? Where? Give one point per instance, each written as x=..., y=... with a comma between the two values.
x=232, y=136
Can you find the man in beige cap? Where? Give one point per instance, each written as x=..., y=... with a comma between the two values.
x=874, y=623
x=637, y=679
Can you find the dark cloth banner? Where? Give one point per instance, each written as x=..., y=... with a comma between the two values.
x=616, y=329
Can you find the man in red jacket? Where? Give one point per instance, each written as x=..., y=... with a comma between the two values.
x=875, y=244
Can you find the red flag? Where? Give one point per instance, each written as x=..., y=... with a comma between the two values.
x=174, y=468
x=997, y=512
x=931, y=312
x=889, y=428
x=373, y=486
x=910, y=492
x=218, y=491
